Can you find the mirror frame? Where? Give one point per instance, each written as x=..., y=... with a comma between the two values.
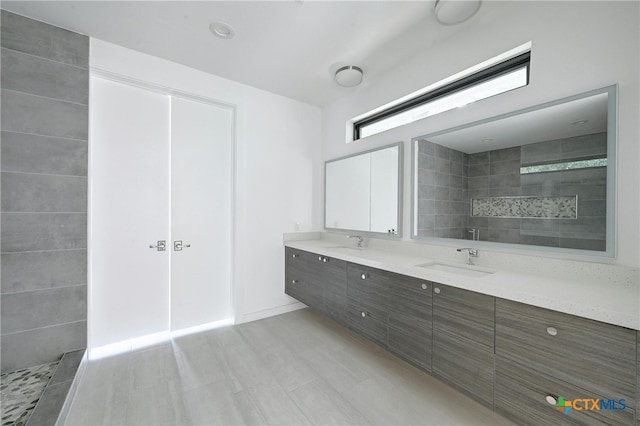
x=398, y=235
x=612, y=165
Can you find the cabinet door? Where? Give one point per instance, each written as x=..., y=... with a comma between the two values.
x=333, y=279
x=367, y=302
x=595, y=356
x=301, y=271
x=463, y=332
x=410, y=319
x=529, y=397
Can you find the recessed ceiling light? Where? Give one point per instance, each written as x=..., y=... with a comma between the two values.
x=453, y=12
x=486, y=140
x=221, y=29
x=349, y=76
x=579, y=122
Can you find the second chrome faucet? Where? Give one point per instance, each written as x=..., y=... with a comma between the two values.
x=359, y=237
x=471, y=252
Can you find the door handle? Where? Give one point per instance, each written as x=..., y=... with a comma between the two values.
x=160, y=246
x=178, y=245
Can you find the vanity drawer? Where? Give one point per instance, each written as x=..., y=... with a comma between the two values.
x=591, y=355
x=369, y=286
x=300, y=277
x=521, y=395
x=364, y=322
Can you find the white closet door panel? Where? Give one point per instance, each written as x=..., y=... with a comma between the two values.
x=201, y=185
x=130, y=177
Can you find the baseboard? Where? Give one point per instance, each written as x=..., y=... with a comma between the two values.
x=254, y=316
x=73, y=390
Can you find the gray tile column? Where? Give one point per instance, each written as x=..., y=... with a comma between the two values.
x=44, y=101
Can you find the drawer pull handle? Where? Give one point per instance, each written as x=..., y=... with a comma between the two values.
x=551, y=399
x=364, y=314
x=437, y=290
x=424, y=286
x=552, y=331
x=294, y=281
x=295, y=255
x=363, y=276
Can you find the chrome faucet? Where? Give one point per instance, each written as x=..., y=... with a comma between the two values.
x=359, y=237
x=471, y=252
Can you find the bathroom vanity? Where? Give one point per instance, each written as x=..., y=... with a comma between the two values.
x=500, y=337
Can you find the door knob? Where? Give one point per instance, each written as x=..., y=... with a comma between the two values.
x=160, y=246
x=178, y=245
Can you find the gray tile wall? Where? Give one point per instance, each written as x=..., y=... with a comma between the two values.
x=44, y=101
x=588, y=231
x=497, y=174
x=442, y=191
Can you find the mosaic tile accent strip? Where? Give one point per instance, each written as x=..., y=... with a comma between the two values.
x=21, y=390
x=556, y=207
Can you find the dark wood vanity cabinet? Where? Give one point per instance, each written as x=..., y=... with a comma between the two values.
x=514, y=358
x=317, y=281
x=463, y=336
x=543, y=355
x=301, y=277
x=368, y=302
x=410, y=323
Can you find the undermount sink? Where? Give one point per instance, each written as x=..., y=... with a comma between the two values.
x=467, y=271
x=345, y=249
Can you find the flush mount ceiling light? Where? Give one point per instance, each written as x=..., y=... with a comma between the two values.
x=453, y=12
x=349, y=76
x=221, y=29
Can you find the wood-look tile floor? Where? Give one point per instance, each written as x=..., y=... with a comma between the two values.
x=297, y=368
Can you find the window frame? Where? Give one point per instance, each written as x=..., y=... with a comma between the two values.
x=507, y=66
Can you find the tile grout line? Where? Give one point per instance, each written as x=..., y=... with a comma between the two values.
x=47, y=97
x=44, y=58
x=42, y=289
x=86, y=141
x=43, y=174
x=41, y=328
x=44, y=251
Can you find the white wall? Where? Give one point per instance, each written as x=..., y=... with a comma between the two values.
x=278, y=170
x=577, y=46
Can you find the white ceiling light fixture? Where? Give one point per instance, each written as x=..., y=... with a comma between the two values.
x=222, y=30
x=349, y=76
x=453, y=12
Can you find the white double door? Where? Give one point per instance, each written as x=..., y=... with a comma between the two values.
x=160, y=170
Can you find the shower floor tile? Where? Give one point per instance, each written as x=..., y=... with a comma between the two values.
x=21, y=390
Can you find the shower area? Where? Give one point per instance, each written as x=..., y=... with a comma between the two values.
x=44, y=107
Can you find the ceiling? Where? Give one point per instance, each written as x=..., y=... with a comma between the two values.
x=290, y=47
x=545, y=124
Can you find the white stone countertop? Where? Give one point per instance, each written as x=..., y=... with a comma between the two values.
x=611, y=301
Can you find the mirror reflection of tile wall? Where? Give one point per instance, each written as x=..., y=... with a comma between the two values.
x=448, y=181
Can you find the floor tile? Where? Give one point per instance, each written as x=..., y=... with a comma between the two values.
x=296, y=368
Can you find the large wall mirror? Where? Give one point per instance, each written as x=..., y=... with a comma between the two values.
x=363, y=191
x=542, y=177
